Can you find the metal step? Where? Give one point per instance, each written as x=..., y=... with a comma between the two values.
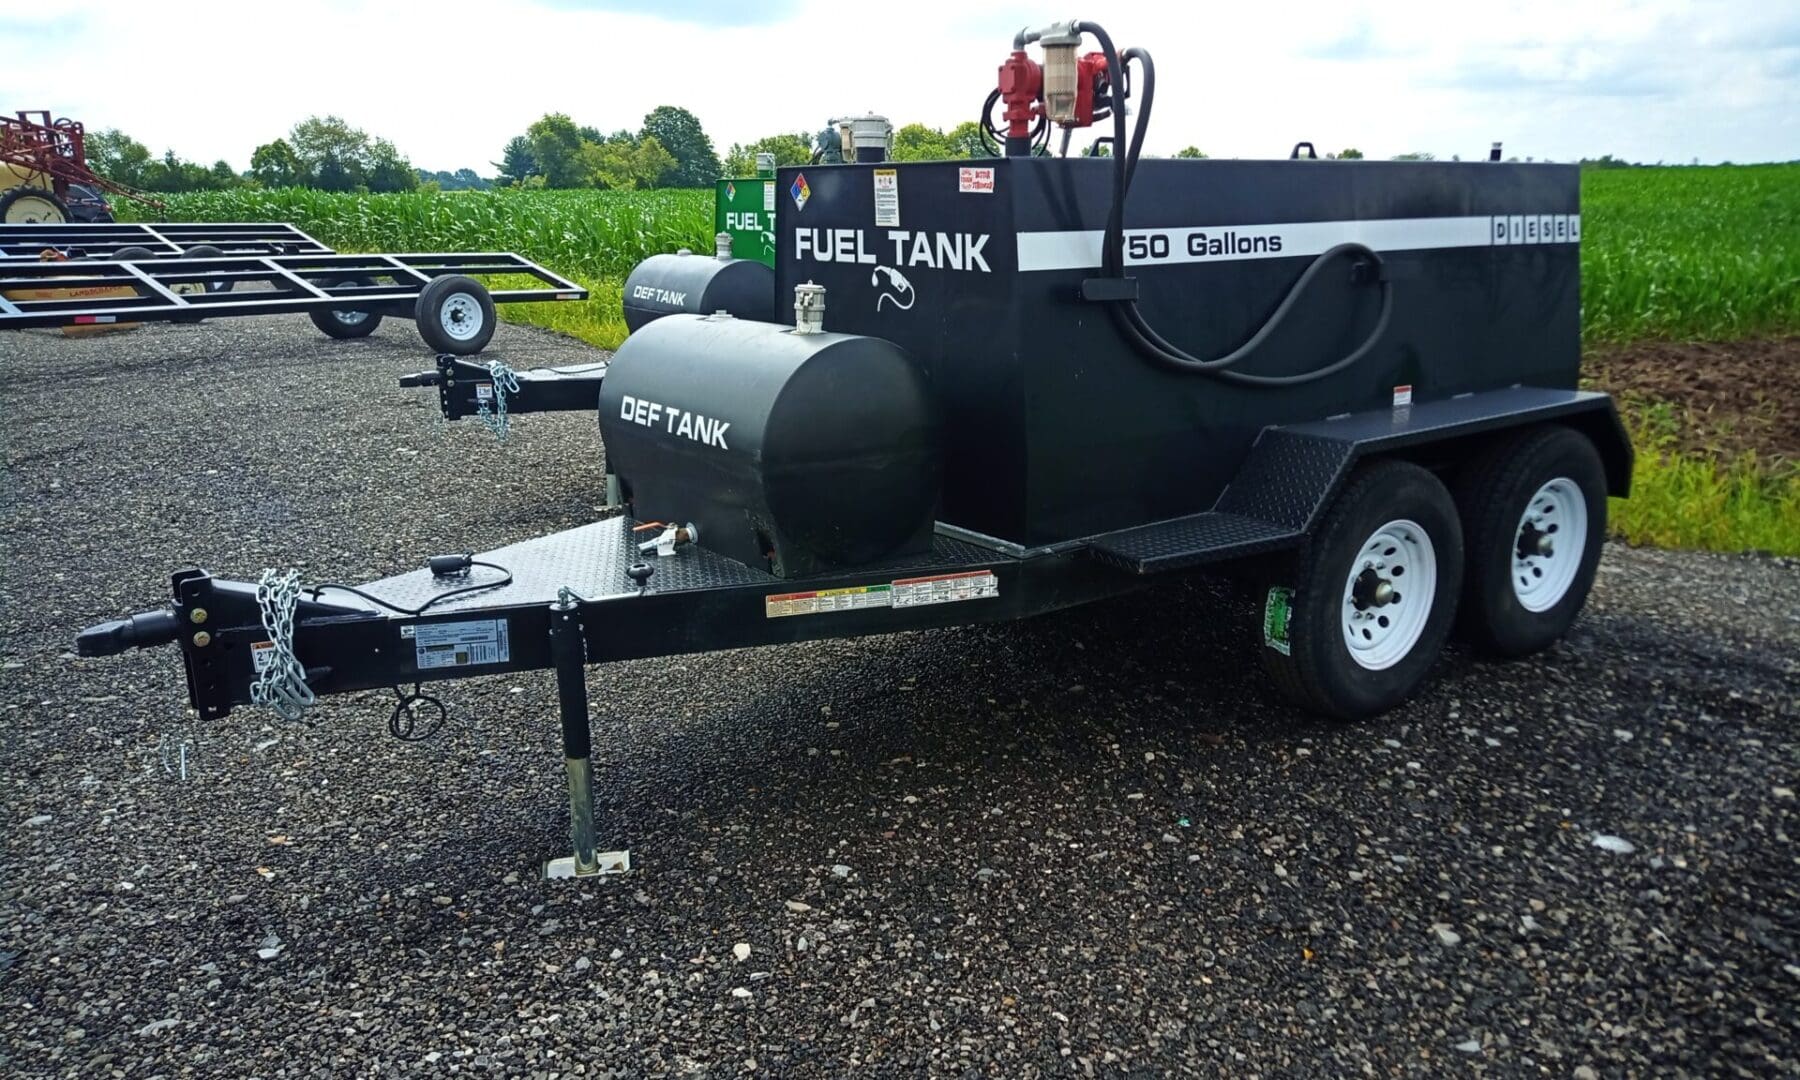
x=1184, y=542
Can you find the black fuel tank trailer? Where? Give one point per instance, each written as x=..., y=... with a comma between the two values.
x=1040, y=380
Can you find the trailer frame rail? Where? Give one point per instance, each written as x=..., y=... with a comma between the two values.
x=177, y=289
x=166, y=239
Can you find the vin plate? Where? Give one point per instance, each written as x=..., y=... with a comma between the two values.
x=460, y=644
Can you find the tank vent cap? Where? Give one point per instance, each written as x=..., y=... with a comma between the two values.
x=809, y=309
x=722, y=245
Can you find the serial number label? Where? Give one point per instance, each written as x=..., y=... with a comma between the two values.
x=904, y=593
x=460, y=644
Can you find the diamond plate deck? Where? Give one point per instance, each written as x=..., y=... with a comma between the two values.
x=591, y=559
x=1288, y=478
x=1189, y=541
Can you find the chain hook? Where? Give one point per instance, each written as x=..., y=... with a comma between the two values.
x=281, y=684
x=506, y=381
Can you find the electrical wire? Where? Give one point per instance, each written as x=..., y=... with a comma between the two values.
x=403, y=722
x=427, y=605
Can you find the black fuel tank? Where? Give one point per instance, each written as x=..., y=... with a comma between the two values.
x=699, y=285
x=793, y=452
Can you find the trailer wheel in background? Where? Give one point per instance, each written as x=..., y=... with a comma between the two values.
x=132, y=254
x=207, y=251
x=1534, y=518
x=1366, y=608
x=345, y=323
x=32, y=206
x=455, y=315
x=193, y=288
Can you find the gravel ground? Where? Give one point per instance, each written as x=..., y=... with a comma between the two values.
x=1085, y=845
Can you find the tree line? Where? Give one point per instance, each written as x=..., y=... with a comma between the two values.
x=670, y=149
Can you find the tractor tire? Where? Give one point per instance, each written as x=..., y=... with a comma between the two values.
x=1353, y=628
x=1534, y=518
x=32, y=206
x=455, y=315
x=346, y=323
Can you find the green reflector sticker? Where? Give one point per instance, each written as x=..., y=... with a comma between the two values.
x=1278, y=610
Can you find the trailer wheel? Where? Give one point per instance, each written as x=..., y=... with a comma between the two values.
x=455, y=315
x=32, y=206
x=1365, y=611
x=194, y=288
x=345, y=323
x=132, y=254
x=207, y=251
x=1534, y=513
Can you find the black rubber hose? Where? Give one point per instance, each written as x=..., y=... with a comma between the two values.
x=1160, y=350
x=1131, y=320
x=1148, y=98
x=1112, y=261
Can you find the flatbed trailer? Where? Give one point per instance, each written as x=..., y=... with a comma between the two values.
x=345, y=295
x=103, y=241
x=621, y=589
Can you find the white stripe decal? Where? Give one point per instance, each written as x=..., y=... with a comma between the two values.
x=1080, y=249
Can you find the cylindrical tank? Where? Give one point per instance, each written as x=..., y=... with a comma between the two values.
x=795, y=453
x=699, y=285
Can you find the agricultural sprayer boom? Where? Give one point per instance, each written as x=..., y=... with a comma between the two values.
x=49, y=155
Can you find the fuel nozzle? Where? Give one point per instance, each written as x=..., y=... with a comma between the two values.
x=671, y=538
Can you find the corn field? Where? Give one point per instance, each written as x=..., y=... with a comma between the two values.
x=1711, y=252
x=585, y=234
x=1707, y=252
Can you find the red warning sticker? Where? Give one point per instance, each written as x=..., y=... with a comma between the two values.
x=1402, y=395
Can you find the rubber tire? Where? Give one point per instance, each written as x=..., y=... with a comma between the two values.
x=327, y=322
x=1491, y=495
x=132, y=254
x=431, y=328
x=1318, y=672
x=19, y=193
x=207, y=251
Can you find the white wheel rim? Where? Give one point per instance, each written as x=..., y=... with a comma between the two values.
x=460, y=316
x=1388, y=594
x=1549, y=544
x=349, y=318
x=32, y=210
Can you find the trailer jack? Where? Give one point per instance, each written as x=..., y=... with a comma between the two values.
x=568, y=651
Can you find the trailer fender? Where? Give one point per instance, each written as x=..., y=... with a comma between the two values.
x=1292, y=472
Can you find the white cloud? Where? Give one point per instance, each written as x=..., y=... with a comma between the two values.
x=450, y=81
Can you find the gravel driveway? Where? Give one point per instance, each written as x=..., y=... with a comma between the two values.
x=1090, y=844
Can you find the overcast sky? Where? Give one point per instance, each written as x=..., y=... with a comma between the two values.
x=449, y=81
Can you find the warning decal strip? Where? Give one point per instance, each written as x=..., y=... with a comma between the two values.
x=1080, y=249
x=904, y=593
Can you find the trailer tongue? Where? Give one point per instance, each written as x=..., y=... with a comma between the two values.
x=1040, y=381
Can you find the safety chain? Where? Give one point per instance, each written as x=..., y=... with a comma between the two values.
x=506, y=381
x=281, y=684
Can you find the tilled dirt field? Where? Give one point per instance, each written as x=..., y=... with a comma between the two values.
x=1085, y=845
x=1725, y=397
